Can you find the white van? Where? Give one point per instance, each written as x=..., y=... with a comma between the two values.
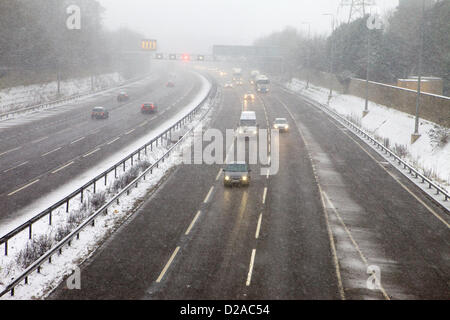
x=248, y=126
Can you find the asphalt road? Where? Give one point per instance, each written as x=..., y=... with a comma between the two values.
x=42, y=151
x=308, y=232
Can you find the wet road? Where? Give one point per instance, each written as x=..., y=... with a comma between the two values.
x=332, y=211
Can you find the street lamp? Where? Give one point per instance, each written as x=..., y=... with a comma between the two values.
x=416, y=134
x=308, y=66
x=331, y=55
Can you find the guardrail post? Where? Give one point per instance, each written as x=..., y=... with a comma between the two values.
x=95, y=186
x=81, y=193
x=30, y=232
x=106, y=176
x=124, y=166
x=50, y=218
x=132, y=160
x=139, y=155
x=6, y=247
x=115, y=172
x=67, y=205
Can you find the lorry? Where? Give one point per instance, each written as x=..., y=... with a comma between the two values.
x=262, y=84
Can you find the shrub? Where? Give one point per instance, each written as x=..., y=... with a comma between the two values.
x=98, y=199
x=62, y=232
x=34, y=250
x=401, y=150
x=439, y=136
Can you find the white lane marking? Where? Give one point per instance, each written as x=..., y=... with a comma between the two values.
x=15, y=167
x=264, y=195
x=39, y=140
x=50, y=152
x=193, y=222
x=355, y=244
x=258, y=227
x=92, y=152
x=131, y=131
x=63, y=167
x=22, y=188
x=82, y=138
x=111, y=142
x=250, y=269
x=11, y=150
x=167, y=265
x=218, y=175
x=208, y=195
x=143, y=123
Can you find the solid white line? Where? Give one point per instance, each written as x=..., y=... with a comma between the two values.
x=193, y=222
x=250, y=269
x=167, y=265
x=54, y=150
x=208, y=195
x=264, y=195
x=92, y=152
x=218, y=175
x=1, y=154
x=258, y=227
x=82, y=138
x=132, y=130
x=65, y=166
x=111, y=142
x=24, y=187
x=19, y=165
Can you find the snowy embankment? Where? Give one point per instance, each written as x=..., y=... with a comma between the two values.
x=392, y=127
x=47, y=236
x=24, y=96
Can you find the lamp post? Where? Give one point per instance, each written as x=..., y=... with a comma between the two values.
x=330, y=95
x=308, y=61
x=416, y=134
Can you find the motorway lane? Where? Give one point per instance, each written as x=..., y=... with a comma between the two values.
x=201, y=246
x=42, y=159
x=378, y=216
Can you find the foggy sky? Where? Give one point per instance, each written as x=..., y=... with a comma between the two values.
x=193, y=26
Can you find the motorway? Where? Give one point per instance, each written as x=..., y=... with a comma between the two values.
x=42, y=151
x=311, y=231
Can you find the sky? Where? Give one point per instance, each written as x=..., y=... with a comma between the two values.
x=194, y=26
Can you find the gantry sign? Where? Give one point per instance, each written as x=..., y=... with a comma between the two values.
x=148, y=45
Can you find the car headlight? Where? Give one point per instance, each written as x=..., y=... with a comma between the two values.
x=244, y=178
x=227, y=178
x=255, y=132
x=287, y=127
x=275, y=126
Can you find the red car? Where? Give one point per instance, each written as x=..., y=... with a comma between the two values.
x=149, y=108
x=170, y=84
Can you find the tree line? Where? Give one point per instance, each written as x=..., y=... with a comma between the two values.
x=394, y=50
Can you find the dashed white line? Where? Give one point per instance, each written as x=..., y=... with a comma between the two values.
x=131, y=131
x=39, y=140
x=250, y=269
x=264, y=195
x=79, y=139
x=50, y=152
x=15, y=167
x=111, y=142
x=11, y=150
x=193, y=222
x=161, y=276
x=218, y=175
x=92, y=152
x=22, y=188
x=63, y=167
x=258, y=227
x=208, y=195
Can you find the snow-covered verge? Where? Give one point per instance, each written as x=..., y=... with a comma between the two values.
x=51, y=274
x=24, y=96
x=428, y=154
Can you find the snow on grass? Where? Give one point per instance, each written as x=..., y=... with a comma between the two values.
x=52, y=274
x=23, y=96
x=392, y=127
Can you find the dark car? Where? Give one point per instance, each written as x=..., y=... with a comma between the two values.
x=123, y=96
x=170, y=84
x=99, y=113
x=149, y=108
x=236, y=173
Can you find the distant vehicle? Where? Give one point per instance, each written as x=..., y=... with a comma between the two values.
x=249, y=96
x=149, y=108
x=228, y=85
x=236, y=173
x=99, y=113
x=262, y=84
x=281, y=124
x=122, y=96
x=253, y=75
x=248, y=127
x=170, y=84
x=239, y=82
x=237, y=74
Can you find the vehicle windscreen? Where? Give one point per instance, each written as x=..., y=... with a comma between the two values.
x=247, y=123
x=236, y=168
